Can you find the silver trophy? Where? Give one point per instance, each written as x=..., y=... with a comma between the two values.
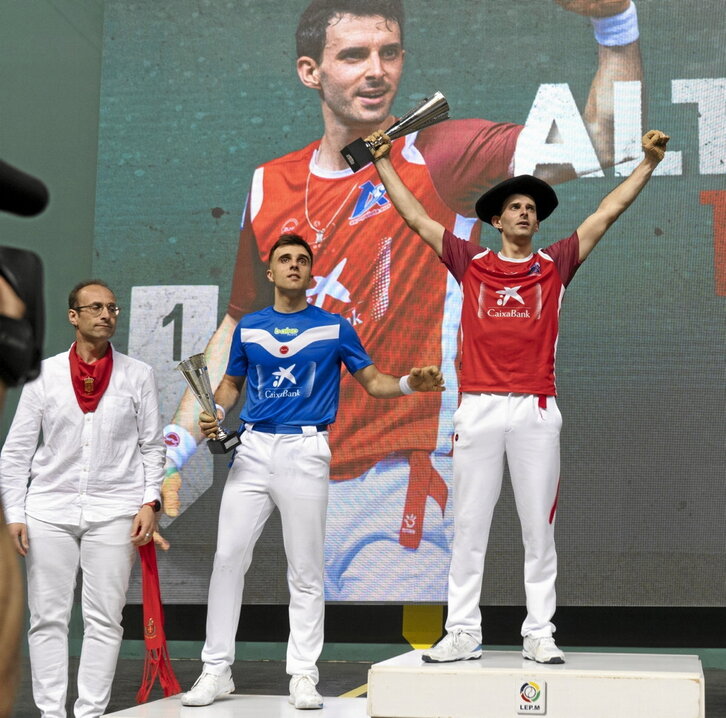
x=428, y=112
x=195, y=373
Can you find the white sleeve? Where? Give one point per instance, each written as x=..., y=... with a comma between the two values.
x=17, y=453
x=151, y=439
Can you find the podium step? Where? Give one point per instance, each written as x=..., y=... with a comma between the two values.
x=243, y=706
x=502, y=684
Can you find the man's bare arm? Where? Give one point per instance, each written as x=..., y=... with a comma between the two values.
x=386, y=386
x=411, y=210
x=186, y=416
x=591, y=231
x=616, y=63
x=226, y=396
x=216, y=353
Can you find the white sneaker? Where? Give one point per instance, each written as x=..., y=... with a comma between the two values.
x=207, y=688
x=455, y=646
x=542, y=650
x=303, y=693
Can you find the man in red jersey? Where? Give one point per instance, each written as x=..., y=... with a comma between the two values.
x=388, y=461
x=509, y=319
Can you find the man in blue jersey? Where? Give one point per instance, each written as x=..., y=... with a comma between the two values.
x=290, y=355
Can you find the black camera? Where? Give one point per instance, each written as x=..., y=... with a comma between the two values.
x=21, y=340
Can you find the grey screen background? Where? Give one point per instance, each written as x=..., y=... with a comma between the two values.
x=195, y=95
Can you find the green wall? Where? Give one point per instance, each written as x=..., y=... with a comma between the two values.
x=50, y=73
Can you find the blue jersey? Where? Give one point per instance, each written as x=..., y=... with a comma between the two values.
x=292, y=364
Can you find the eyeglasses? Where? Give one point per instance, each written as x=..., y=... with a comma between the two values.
x=96, y=308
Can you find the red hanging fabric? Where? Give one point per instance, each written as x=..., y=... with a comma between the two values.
x=157, y=662
x=423, y=481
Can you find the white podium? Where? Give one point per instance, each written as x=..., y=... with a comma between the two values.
x=244, y=706
x=504, y=685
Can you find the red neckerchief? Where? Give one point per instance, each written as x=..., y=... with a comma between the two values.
x=90, y=381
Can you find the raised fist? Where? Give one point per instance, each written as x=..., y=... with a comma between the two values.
x=654, y=144
x=380, y=142
x=595, y=8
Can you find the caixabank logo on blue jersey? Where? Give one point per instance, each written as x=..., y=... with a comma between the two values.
x=287, y=381
x=532, y=698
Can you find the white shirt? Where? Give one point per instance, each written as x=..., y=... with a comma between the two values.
x=96, y=466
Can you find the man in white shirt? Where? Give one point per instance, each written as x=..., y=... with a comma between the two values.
x=92, y=497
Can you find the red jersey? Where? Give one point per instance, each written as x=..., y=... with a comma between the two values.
x=372, y=269
x=510, y=315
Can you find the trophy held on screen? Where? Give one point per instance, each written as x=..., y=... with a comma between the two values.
x=195, y=373
x=429, y=111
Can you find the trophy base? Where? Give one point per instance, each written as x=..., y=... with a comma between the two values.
x=223, y=445
x=357, y=154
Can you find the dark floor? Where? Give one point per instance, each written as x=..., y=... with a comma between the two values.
x=269, y=678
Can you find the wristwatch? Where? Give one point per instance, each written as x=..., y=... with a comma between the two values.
x=156, y=505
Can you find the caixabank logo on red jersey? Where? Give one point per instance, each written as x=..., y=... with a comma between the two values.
x=510, y=302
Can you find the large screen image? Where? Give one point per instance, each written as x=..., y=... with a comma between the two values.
x=217, y=133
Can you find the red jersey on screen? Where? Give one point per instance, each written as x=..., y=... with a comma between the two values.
x=371, y=268
x=510, y=314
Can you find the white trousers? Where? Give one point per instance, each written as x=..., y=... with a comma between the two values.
x=105, y=555
x=488, y=426
x=289, y=471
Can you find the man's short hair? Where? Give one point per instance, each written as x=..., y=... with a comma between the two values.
x=311, y=30
x=290, y=239
x=73, y=296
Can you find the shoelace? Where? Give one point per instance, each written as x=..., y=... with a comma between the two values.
x=203, y=678
x=460, y=638
x=306, y=680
